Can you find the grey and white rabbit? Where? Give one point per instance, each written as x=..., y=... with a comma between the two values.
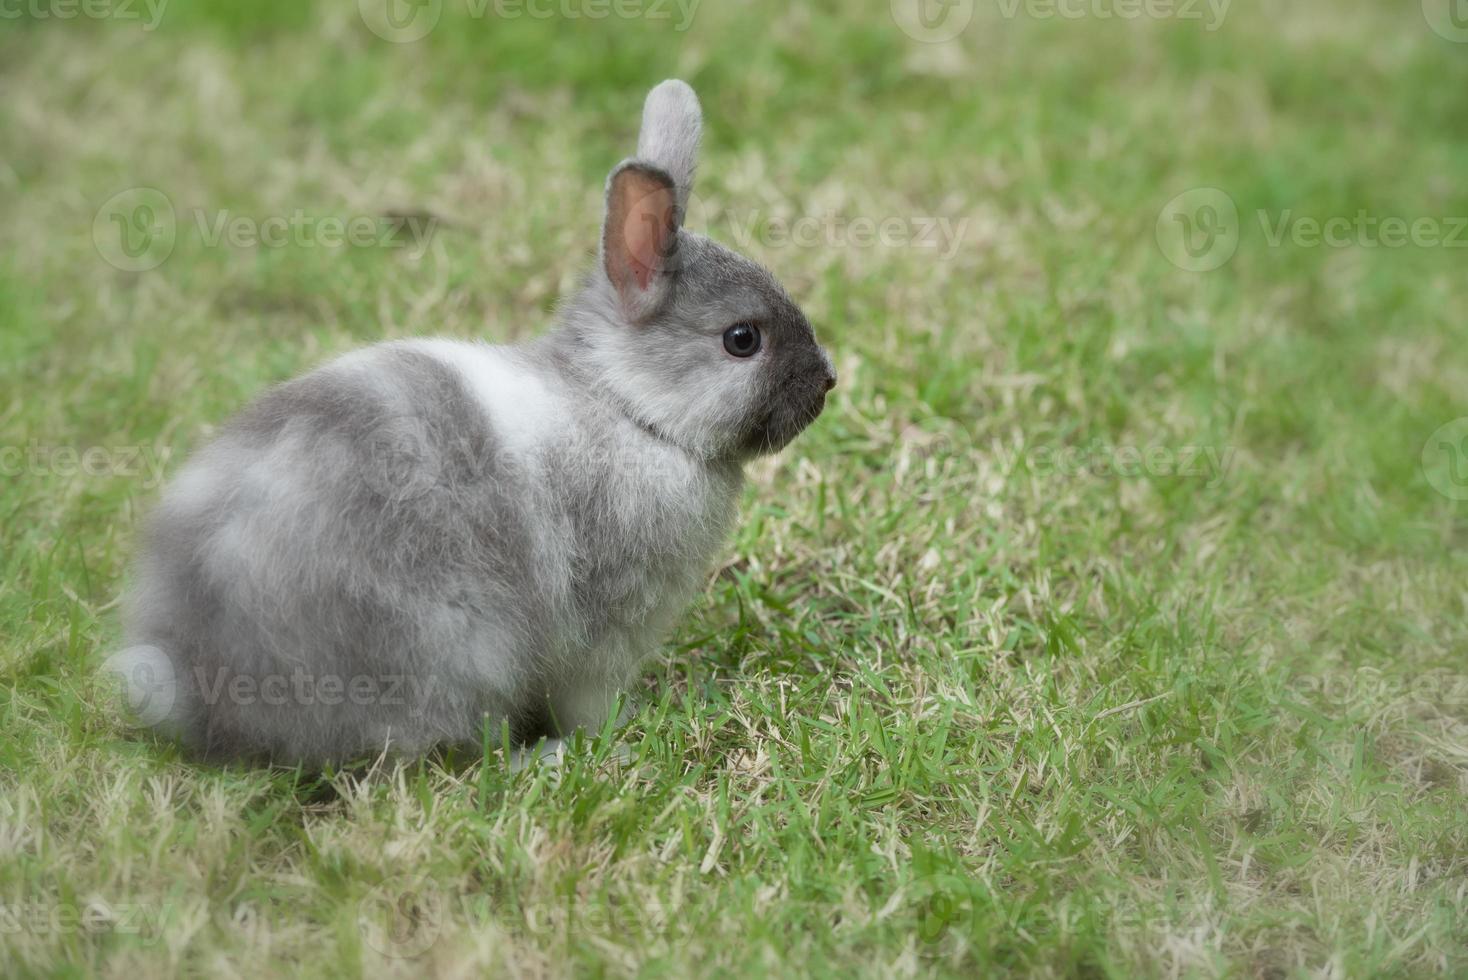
x=428, y=537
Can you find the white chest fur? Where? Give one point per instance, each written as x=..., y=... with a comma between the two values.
x=625, y=523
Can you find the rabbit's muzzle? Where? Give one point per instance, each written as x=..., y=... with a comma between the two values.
x=798, y=399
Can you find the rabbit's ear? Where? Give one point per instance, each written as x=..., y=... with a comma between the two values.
x=647, y=197
x=672, y=125
x=640, y=238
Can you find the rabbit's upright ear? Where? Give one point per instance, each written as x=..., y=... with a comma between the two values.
x=672, y=125
x=640, y=240
x=646, y=199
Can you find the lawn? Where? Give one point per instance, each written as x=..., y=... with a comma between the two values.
x=1113, y=620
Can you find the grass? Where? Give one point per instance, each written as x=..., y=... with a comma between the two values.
x=1107, y=623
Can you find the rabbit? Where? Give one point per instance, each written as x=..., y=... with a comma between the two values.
x=427, y=542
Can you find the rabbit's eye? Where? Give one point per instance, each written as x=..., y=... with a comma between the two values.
x=742, y=340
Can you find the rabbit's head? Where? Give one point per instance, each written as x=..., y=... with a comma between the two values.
x=697, y=343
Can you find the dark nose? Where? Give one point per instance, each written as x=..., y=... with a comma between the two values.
x=830, y=380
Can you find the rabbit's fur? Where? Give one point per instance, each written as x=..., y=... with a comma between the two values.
x=425, y=539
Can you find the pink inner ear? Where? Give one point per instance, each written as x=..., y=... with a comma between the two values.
x=642, y=239
x=646, y=207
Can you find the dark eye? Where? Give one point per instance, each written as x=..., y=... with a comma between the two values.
x=742, y=340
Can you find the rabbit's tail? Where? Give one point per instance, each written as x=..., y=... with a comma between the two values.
x=155, y=689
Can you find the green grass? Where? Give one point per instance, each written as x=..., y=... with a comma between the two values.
x=947, y=706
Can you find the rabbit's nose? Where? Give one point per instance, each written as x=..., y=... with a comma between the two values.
x=830, y=369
